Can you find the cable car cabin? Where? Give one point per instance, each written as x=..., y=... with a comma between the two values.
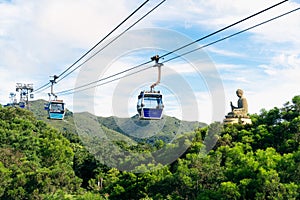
x=56, y=109
x=150, y=105
x=22, y=104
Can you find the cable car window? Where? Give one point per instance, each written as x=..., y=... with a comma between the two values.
x=152, y=102
x=139, y=103
x=56, y=107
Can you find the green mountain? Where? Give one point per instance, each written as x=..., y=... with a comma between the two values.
x=36, y=160
x=150, y=130
x=138, y=130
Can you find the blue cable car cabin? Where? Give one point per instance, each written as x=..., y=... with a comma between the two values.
x=22, y=104
x=150, y=105
x=56, y=109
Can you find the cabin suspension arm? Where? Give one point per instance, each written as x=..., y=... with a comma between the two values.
x=158, y=65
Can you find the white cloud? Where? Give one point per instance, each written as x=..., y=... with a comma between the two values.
x=214, y=14
x=270, y=71
x=287, y=60
x=38, y=37
x=225, y=52
x=80, y=22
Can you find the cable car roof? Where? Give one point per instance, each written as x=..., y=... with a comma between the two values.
x=150, y=94
x=56, y=101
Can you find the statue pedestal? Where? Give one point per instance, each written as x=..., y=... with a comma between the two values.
x=235, y=120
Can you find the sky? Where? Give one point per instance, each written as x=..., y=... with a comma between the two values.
x=39, y=39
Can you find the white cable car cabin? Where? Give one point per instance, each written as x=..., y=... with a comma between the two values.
x=150, y=105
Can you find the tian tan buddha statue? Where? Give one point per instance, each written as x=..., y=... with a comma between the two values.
x=241, y=110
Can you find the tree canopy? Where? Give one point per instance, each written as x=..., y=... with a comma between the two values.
x=254, y=161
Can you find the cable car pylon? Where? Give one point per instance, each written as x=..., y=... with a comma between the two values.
x=55, y=107
x=150, y=105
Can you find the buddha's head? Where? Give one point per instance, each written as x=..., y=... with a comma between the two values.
x=239, y=92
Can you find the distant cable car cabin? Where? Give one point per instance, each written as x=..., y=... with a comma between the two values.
x=22, y=104
x=150, y=105
x=55, y=107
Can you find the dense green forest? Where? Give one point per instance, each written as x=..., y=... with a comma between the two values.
x=41, y=160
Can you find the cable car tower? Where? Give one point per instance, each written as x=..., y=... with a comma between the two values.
x=24, y=90
x=150, y=105
x=55, y=107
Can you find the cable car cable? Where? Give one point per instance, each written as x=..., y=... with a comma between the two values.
x=113, y=39
x=202, y=38
x=105, y=37
x=222, y=29
x=37, y=90
x=105, y=78
x=188, y=52
x=68, y=92
x=144, y=3
x=229, y=36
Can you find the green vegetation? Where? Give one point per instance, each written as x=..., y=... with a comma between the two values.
x=257, y=161
x=36, y=160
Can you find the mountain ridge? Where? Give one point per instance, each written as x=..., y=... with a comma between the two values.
x=137, y=130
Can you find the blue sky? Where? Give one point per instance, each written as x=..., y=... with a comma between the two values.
x=42, y=38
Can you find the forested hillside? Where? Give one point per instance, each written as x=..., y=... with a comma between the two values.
x=169, y=126
x=257, y=161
